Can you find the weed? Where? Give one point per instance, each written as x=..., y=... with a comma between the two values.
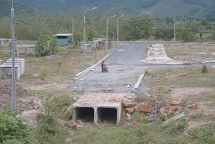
x=43, y=73
x=160, y=88
x=204, y=133
x=204, y=69
x=176, y=127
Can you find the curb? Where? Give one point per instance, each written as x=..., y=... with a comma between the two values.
x=137, y=84
x=80, y=74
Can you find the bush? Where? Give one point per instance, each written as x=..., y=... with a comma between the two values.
x=46, y=45
x=176, y=127
x=204, y=69
x=204, y=133
x=14, y=129
x=187, y=36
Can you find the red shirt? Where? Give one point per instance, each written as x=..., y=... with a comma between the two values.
x=102, y=64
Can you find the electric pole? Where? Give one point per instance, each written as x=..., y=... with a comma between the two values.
x=13, y=61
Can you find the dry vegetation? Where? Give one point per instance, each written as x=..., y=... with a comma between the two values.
x=186, y=85
x=191, y=52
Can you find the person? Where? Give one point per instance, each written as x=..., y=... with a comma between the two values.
x=103, y=65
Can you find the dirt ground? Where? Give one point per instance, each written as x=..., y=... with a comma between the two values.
x=31, y=105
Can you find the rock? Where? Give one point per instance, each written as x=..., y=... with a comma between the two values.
x=128, y=104
x=128, y=116
x=193, y=106
x=123, y=114
x=162, y=110
x=36, y=107
x=75, y=126
x=35, y=75
x=129, y=97
x=175, y=103
x=129, y=110
x=144, y=108
x=128, y=86
x=78, y=127
x=147, y=94
x=136, y=124
x=75, y=98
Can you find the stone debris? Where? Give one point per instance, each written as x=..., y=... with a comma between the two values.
x=193, y=106
x=75, y=125
x=129, y=110
x=144, y=108
x=128, y=104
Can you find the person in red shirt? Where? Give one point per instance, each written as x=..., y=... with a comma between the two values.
x=103, y=65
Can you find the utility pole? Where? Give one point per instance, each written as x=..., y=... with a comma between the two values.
x=107, y=41
x=174, y=27
x=85, y=24
x=13, y=61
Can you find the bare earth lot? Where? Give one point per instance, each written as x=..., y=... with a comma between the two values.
x=172, y=89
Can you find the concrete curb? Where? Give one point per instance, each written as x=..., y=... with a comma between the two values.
x=137, y=84
x=80, y=74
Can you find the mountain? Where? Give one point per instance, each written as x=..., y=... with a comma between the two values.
x=5, y=8
x=159, y=8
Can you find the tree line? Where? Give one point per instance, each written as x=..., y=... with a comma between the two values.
x=131, y=28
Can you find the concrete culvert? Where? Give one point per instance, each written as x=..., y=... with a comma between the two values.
x=85, y=114
x=108, y=115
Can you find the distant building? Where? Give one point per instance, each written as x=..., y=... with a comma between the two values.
x=63, y=38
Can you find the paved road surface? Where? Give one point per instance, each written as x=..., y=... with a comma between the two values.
x=129, y=54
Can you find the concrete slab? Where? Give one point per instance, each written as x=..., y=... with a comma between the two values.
x=22, y=64
x=7, y=68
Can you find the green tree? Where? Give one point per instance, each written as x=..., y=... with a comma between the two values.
x=46, y=45
x=90, y=35
x=163, y=31
x=78, y=37
x=137, y=28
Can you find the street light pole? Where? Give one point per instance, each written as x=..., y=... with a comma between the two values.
x=13, y=61
x=107, y=32
x=174, y=27
x=84, y=47
x=118, y=28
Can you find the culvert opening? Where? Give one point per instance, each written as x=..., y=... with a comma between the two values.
x=107, y=115
x=85, y=114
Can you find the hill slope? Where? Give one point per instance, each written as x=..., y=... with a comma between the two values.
x=5, y=8
x=159, y=8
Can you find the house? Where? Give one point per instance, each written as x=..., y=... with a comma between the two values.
x=63, y=38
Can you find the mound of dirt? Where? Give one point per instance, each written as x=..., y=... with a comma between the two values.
x=6, y=92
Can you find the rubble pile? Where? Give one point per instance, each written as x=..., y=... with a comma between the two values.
x=151, y=110
x=6, y=90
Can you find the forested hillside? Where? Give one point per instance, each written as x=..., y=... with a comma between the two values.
x=5, y=7
x=159, y=8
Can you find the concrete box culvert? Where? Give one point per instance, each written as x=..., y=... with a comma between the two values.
x=99, y=113
x=108, y=115
x=84, y=113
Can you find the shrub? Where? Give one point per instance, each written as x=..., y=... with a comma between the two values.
x=176, y=127
x=14, y=129
x=204, y=69
x=204, y=133
x=46, y=45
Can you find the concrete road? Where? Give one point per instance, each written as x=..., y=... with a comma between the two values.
x=129, y=54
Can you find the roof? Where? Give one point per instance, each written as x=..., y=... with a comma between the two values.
x=63, y=35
